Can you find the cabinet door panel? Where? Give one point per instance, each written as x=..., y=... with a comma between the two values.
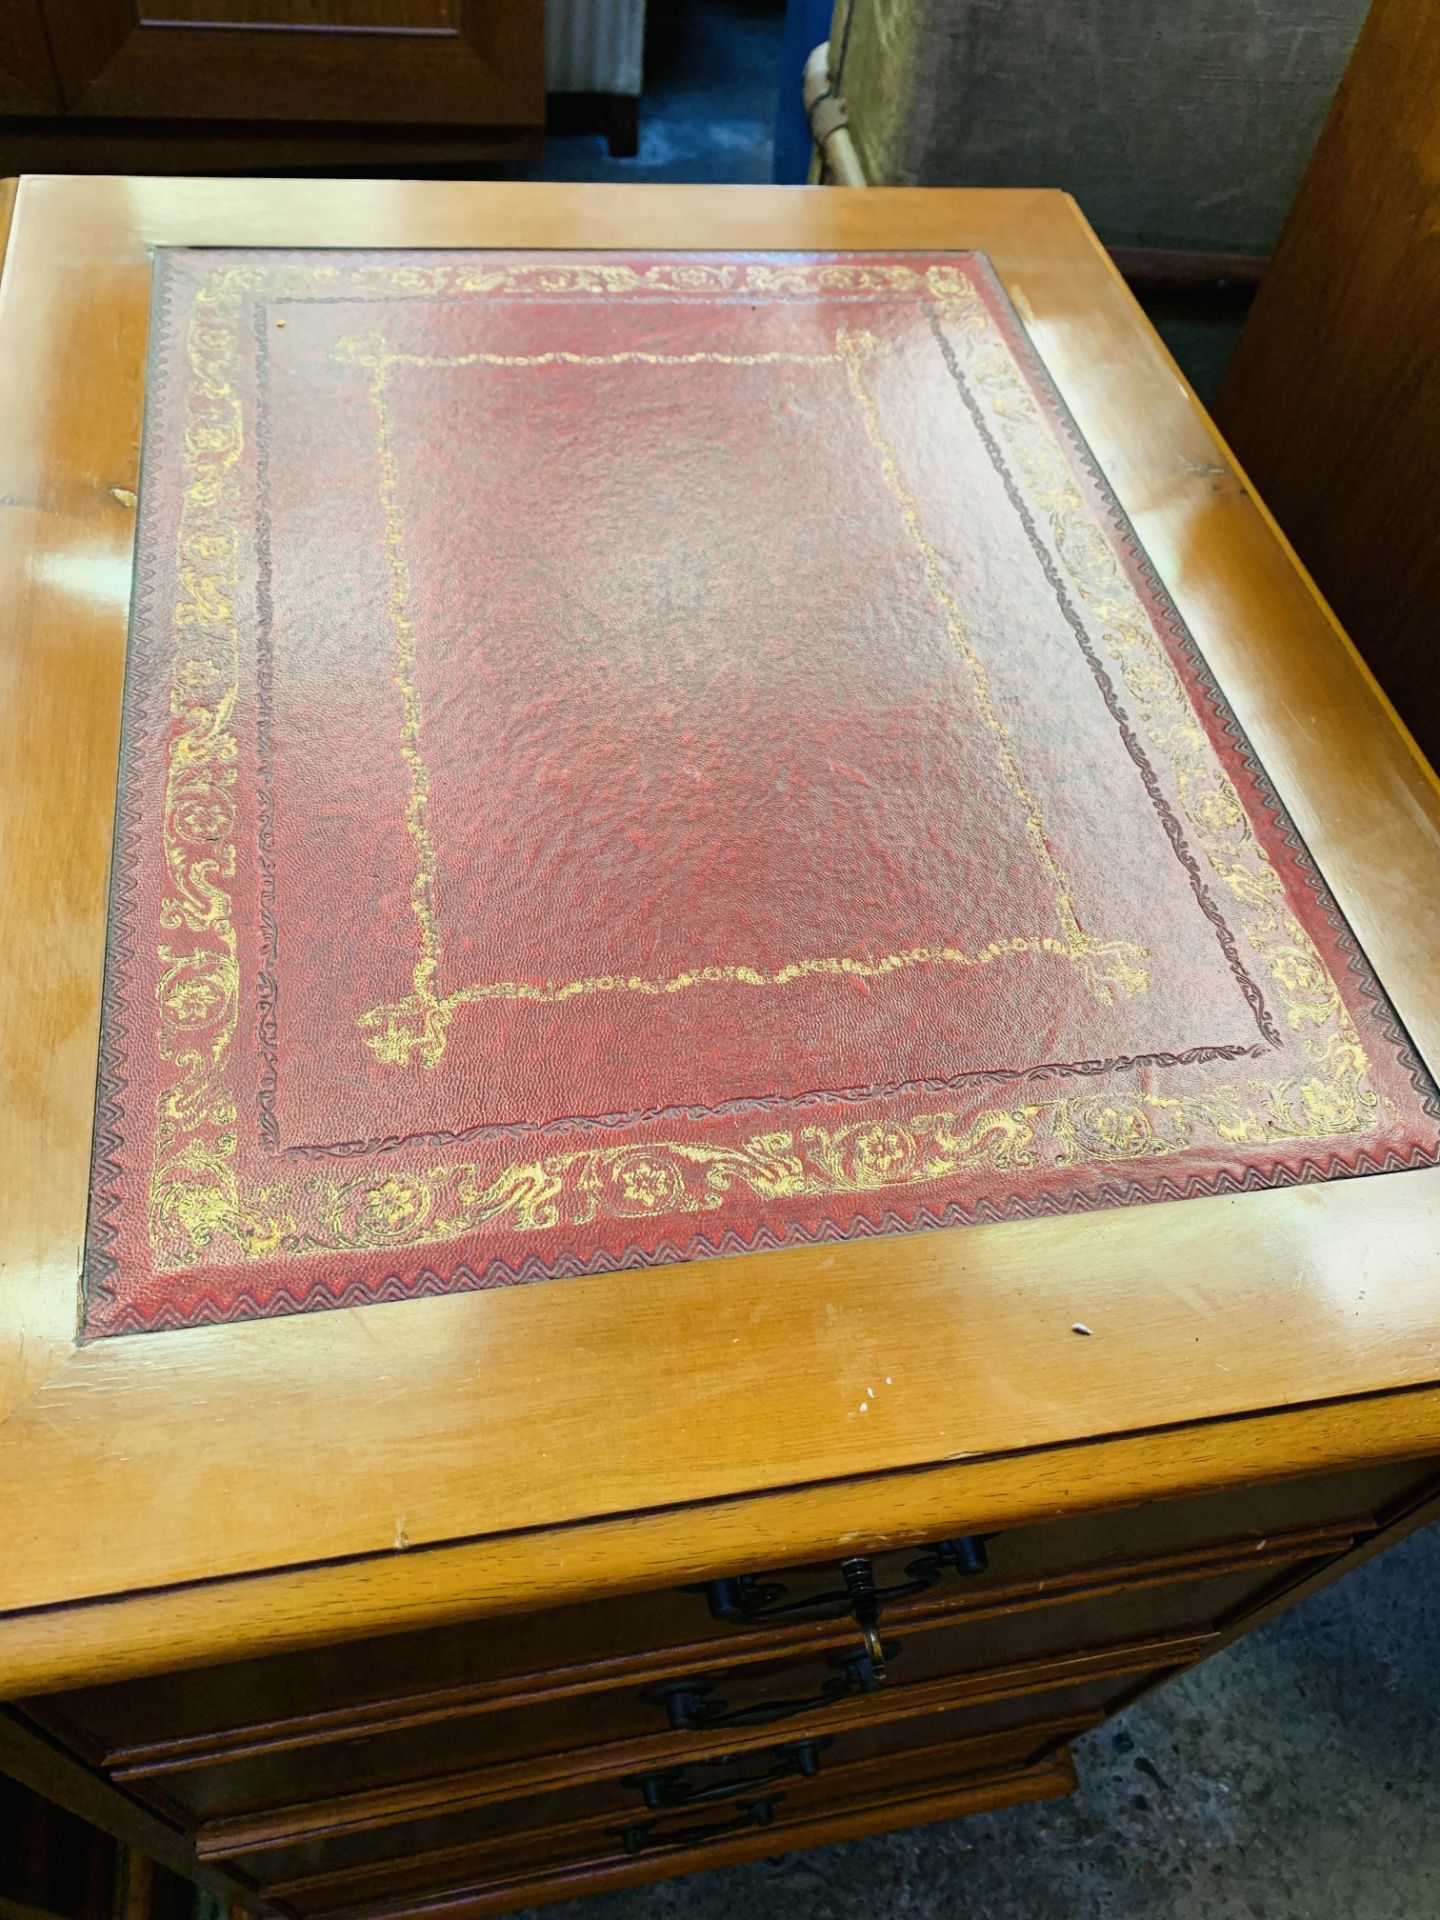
x=27, y=79
x=390, y=61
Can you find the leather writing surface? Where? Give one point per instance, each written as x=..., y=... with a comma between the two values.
x=628, y=759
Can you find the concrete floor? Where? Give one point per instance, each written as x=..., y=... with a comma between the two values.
x=1295, y=1777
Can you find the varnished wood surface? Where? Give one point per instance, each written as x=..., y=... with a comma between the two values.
x=1332, y=398
x=380, y=1812
x=933, y=1757
x=694, y=1415
x=552, y=1880
x=548, y=1657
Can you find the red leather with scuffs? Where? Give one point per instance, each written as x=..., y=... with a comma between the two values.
x=719, y=642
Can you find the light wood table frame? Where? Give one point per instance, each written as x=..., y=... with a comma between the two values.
x=188, y=1497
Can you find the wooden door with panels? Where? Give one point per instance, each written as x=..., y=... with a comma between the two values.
x=417, y=61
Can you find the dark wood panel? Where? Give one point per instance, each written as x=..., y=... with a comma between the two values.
x=29, y=1756
x=136, y=146
x=272, y=1801
x=489, y=69
x=1332, y=399
x=339, y=16
x=27, y=78
x=520, y=1882
x=513, y=1774
x=51, y=1861
x=764, y=1647
x=186, y=1719
x=977, y=1741
x=56, y=1866
x=84, y=36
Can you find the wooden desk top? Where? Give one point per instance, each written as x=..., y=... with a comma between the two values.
x=214, y=1492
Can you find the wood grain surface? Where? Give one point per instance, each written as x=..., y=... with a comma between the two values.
x=695, y=1415
x=1332, y=398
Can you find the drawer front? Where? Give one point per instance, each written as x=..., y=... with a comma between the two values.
x=595, y=1855
x=334, y=1694
x=273, y=1799
x=982, y=1735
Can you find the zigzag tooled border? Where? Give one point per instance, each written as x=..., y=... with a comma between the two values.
x=286, y=1300
x=101, y=1233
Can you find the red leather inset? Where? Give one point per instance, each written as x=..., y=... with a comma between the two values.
x=635, y=758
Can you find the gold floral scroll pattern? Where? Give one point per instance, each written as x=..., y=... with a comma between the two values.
x=675, y=276
x=193, y=1192
x=417, y=1026
x=1335, y=1098
x=197, y=1204
x=660, y=1179
x=578, y=1186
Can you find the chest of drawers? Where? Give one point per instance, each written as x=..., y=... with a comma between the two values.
x=455, y=1605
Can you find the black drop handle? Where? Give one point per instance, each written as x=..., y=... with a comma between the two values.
x=964, y=1556
x=670, y=1788
x=640, y=1836
x=688, y=1704
x=740, y=1599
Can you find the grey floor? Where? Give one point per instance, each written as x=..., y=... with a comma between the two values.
x=1295, y=1777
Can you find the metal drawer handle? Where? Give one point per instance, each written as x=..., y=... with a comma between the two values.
x=688, y=1706
x=746, y=1597
x=640, y=1836
x=670, y=1788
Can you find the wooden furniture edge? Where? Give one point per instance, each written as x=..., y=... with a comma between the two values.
x=30, y=1756
x=284, y=1824
x=1047, y=1779
x=702, y=1547
x=51, y=1649
x=1425, y=1512
x=39, y=145
x=740, y=1649
x=456, y=1861
x=1357, y=659
x=9, y=186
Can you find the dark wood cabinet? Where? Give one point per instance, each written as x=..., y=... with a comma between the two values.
x=1332, y=399
x=512, y=1760
x=448, y=1606
x=27, y=79
x=412, y=60
x=231, y=84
